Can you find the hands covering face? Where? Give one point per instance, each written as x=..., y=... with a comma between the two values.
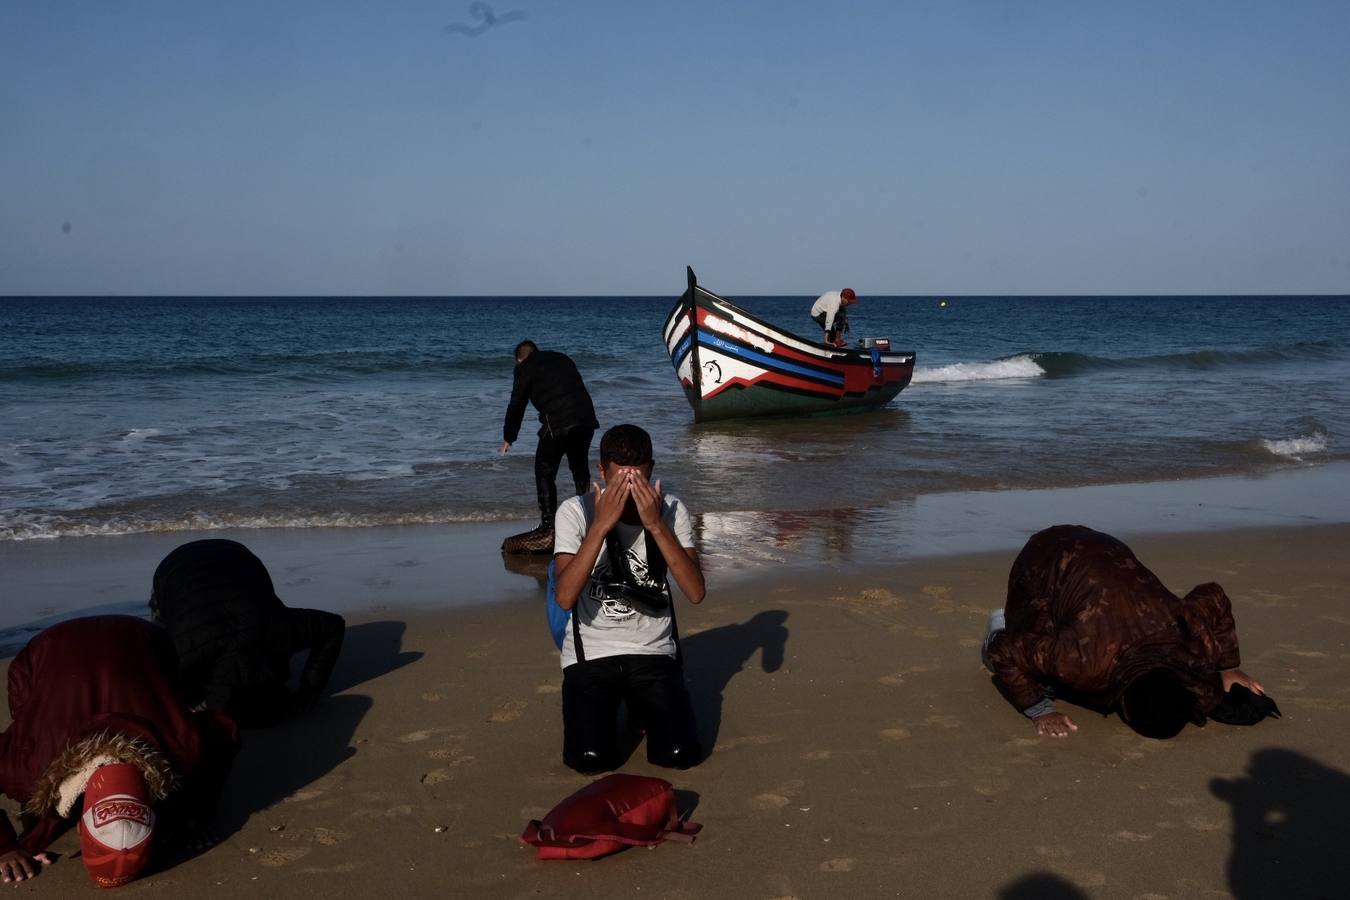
x=628, y=484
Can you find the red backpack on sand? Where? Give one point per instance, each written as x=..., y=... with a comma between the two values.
x=607, y=815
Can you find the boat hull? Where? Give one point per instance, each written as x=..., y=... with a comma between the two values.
x=734, y=365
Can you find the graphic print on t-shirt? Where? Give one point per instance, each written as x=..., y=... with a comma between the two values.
x=608, y=592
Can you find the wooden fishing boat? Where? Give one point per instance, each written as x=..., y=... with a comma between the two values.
x=732, y=364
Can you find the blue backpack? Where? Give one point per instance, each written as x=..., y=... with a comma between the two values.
x=558, y=618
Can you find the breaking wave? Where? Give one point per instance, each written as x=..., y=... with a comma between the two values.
x=1013, y=367
x=46, y=527
x=1297, y=447
x=1058, y=364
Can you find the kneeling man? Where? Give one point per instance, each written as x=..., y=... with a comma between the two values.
x=613, y=550
x=1086, y=621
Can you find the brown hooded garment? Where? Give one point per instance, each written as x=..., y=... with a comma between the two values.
x=1084, y=617
x=98, y=688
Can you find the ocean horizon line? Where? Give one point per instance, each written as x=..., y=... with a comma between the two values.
x=670, y=295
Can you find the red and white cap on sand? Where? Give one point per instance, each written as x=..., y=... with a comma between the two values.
x=118, y=825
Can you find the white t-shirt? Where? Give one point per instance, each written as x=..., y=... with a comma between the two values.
x=610, y=626
x=827, y=303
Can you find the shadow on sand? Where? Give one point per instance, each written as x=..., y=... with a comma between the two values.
x=277, y=762
x=1290, y=832
x=1040, y=886
x=713, y=657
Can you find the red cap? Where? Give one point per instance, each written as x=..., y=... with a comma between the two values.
x=118, y=826
x=847, y=294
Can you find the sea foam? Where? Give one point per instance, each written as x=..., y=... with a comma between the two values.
x=1013, y=367
x=1298, y=447
x=47, y=527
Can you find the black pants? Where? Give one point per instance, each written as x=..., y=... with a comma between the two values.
x=652, y=688
x=840, y=323
x=576, y=446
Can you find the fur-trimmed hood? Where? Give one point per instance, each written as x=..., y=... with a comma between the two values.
x=64, y=779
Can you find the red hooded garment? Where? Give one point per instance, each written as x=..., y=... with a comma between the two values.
x=99, y=687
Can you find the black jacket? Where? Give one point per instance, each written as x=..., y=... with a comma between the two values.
x=234, y=638
x=551, y=382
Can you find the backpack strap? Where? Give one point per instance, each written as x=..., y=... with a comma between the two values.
x=587, y=511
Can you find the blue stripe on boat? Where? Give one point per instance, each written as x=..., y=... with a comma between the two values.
x=680, y=351
x=762, y=359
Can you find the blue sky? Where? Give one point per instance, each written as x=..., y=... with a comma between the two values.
x=597, y=147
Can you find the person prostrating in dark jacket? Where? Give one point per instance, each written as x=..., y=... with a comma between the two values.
x=551, y=382
x=235, y=638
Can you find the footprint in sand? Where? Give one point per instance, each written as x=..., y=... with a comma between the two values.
x=930, y=785
x=943, y=721
x=548, y=689
x=1204, y=823
x=768, y=802
x=393, y=812
x=508, y=712
x=1294, y=650
x=339, y=869
x=328, y=837
x=894, y=680
x=1268, y=600
x=302, y=796
x=894, y=734
x=281, y=857
x=923, y=631
x=779, y=797
x=750, y=740
x=989, y=787
x=435, y=776
x=1131, y=837
x=841, y=864
x=432, y=697
x=817, y=755
x=482, y=650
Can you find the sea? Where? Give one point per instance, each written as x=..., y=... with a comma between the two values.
x=127, y=415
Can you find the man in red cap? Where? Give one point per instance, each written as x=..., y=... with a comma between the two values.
x=117, y=826
x=96, y=714
x=829, y=313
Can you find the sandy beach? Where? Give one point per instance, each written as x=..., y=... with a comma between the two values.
x=858, y=750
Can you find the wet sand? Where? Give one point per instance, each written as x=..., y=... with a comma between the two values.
x=857, y=750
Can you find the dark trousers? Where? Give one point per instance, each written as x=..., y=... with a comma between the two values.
x=840, y=321
x=576, y=446
x=651, y=687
